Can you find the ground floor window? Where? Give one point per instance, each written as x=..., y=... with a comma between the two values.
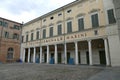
x=10, y=53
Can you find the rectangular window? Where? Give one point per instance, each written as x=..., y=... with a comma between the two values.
x=59, y=14
x=16, y=27
x=44, y=33
x=0, y=23
x=69, y=11
x=95, y=21
x=69, y=27
x=31, y=36
x=6, y=34
x=37, y=35
x=81, y=24
x=51, y=31
x=27, y=38
x=111, y=17
x=15, y=36
x=5, y=24
x=59, y=29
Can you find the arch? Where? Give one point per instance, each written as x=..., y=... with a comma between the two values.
x=10, y=53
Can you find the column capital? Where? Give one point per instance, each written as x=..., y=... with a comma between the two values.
x=55, y=44
x=75, y=41
x=105, y=38
x=89, y=40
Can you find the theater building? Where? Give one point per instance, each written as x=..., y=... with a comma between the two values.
x=9, y=40
x=81, y=32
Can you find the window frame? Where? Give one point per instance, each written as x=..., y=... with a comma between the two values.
x=59, y=33
x=43, y=33
x=37, y=34
x=71, y=26
x=32, y=36
x=98, y=19
x=81, y=17
x=112, y=16
x=27, y=38
x=51, y=32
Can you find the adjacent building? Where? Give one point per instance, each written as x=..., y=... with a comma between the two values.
x=117, y=10
x=81, y=32
x=9, y=40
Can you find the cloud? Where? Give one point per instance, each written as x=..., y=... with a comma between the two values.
x=26, y=10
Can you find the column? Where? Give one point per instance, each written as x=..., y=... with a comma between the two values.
x=34, y=54
x=56, y=54
x=76, y=53
x=28, y=55
x=24, y=55
x=47, y=53
x=40, y=54
x=106, y=52
x=65, y=52
x=90, y=52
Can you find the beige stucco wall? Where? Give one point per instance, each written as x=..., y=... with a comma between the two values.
x=80, y=8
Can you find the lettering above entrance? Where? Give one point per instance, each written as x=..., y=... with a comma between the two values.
x=75, y=36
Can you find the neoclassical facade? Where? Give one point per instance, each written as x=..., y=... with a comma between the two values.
x=81, y=32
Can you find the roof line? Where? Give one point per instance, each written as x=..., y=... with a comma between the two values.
x=51, y=12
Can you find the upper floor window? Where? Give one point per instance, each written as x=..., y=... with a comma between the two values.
x=95, y=20
x=15, y=36
x=69, y=26
x=59, y=14
x=69, y=11
x=0, y=23
x=51, y=17
x=44, y=33
x=6, y=34
x=59, y=29
x=44, y=20
x=80, y=24
x=5, y=24
x=27, y=38
x=111, y=17
x=31, y=36
x=51, y=31
x=16, y=27
x=37, y=34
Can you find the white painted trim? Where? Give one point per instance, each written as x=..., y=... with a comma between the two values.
x=91, y=18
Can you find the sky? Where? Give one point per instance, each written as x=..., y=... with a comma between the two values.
x=26, y=10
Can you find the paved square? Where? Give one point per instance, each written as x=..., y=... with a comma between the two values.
x=47, y=72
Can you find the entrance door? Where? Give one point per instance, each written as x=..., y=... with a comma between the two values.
x=102, y=57
x=87, y=57
x=68, y=57
x=59, y=57
x=79, y=57
x=26, y=57
x=52, y=55
x=45, y=57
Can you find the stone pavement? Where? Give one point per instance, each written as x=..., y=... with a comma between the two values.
x=31, y=71
x=107, y=74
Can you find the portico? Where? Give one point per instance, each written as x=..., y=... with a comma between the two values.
x=91, y=52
